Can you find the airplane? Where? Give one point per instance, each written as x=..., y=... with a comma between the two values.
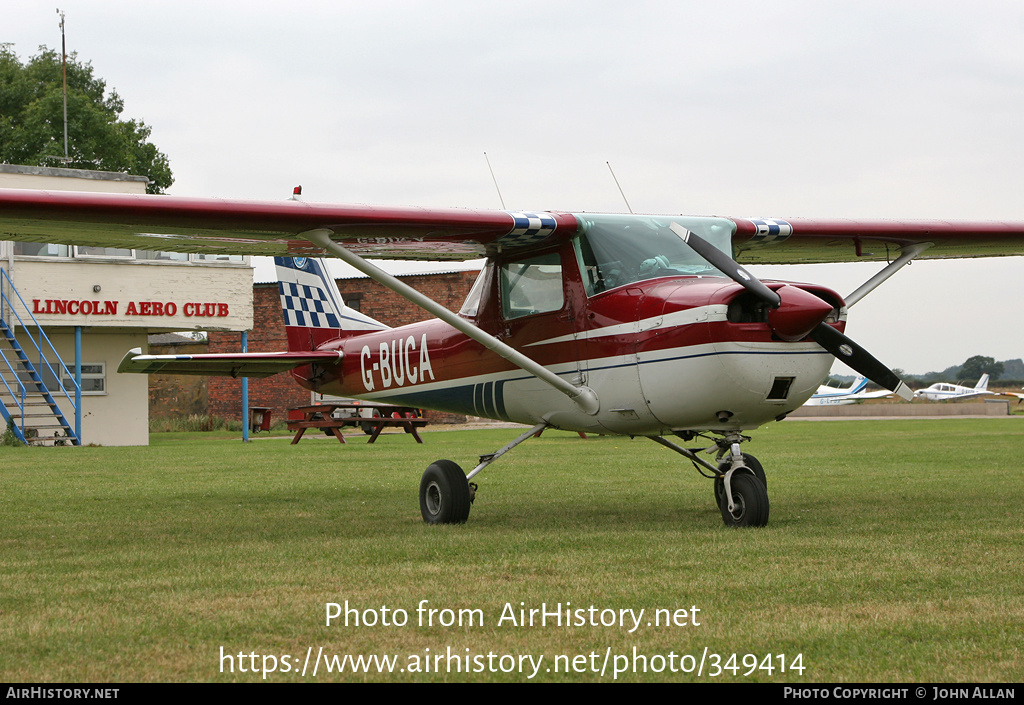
x=638, y=325
x=943, y=391
x=837, y=396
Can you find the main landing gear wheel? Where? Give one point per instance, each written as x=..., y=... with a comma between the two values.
x=752, y=463
x=750, y=499
x=445, y=495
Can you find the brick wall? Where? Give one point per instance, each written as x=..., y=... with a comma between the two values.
x=176, y=396
x=279, y=392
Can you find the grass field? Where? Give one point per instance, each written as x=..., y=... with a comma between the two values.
x=894, y=553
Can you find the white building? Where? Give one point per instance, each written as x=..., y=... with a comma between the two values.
x=108, y=300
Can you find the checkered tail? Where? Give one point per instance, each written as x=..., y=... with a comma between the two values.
x=310, y=299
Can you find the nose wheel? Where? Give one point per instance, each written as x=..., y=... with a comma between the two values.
x=750, y=463
x=749, y=502
x=741, y=479
x=741, y=488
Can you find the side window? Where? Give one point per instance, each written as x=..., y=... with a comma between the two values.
x=471, y=306
x=532, y=285
x=94, y=378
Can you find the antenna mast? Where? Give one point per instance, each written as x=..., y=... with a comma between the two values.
x=495, y=181
x=620, y=188
x=64, y=71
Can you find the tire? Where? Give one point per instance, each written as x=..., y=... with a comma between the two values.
x=751, y=500
x=367, y=427
x=444, y=494
x=320, y=417
x=752, y=463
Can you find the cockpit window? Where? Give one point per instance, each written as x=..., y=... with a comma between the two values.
x=532, y=285
x=614, y=250
x=471, y=306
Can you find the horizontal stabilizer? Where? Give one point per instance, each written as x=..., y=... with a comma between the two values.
x=256, y=364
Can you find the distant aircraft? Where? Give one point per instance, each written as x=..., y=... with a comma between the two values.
x=943, y=391
x=637, y=325
x=837, y=396
x=1020, y=397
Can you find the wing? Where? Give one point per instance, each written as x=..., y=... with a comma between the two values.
x=973, y=395
x=800, y=240
x=872, y=395
x=224, y=364
x=173, y=224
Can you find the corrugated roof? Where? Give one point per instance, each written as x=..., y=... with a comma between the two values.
x=263, y=268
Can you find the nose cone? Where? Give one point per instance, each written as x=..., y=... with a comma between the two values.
x=799, y=313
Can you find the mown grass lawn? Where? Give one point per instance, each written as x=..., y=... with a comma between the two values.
x=894, y=553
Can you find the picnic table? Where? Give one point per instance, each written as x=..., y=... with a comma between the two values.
x=321, y=416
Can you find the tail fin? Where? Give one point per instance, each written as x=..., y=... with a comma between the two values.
x=313, y=309
x=858, y=385
x=982, y=384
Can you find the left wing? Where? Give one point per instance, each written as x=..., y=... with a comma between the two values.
x=256, y=364
x=807, y=241
x=175, y=224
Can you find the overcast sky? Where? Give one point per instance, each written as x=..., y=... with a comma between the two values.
x=789, y=108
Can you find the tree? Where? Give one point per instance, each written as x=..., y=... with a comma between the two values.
x=32, y=121
x=976, y=366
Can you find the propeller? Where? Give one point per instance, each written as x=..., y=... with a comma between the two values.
x=857, y=358
x=797, y=314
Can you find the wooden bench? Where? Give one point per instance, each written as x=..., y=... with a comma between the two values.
x=320, y=416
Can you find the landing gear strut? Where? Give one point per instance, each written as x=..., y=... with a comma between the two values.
x=446, y=493
x=740, y=483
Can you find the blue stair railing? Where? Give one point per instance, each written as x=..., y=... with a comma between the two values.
x=29, y=404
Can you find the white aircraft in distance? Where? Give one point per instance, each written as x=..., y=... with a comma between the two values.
x=837, y=396
x=943, y=391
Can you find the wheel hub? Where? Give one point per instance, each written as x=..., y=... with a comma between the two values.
x=433, y=498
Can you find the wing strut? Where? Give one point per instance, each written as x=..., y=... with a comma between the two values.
x=584, y=397
x=908, y=253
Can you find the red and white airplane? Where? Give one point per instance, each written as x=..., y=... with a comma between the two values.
x=640, y=325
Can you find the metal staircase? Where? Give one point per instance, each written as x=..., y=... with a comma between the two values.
x=32, y=382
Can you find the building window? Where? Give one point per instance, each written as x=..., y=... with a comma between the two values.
x=217, y=258
x=94, y=378
x=161, y=256
x=104, y=252
x=39, y=249
x=353, y=301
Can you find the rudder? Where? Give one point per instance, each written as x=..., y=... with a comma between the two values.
x=314, y=311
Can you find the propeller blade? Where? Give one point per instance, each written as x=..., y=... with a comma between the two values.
x=727, y=265
x=792, y=321
x=857, y=358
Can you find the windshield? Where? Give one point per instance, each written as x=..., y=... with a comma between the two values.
x=614, y=250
